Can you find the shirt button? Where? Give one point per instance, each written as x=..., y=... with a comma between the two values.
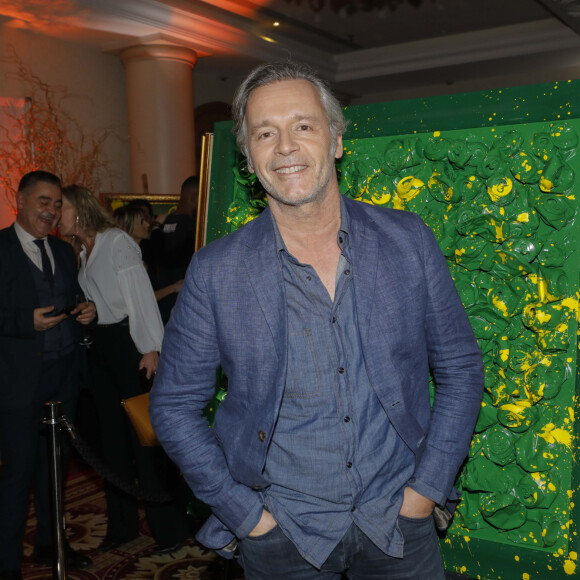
x=346, y=419
x=333, y=319
x=346, y=272
x=308, y=278
x=341, y=370
x=262, y=435
x=340, y=240
x=349, y=464
x=353, y=508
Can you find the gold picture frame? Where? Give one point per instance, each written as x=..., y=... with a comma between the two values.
x=161, y=203
x=167, y=203
x=204, y=181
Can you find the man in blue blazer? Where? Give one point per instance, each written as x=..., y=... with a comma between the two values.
x=327, y=316
x=39, y=362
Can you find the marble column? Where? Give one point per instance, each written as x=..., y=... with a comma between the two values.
x=160, y=109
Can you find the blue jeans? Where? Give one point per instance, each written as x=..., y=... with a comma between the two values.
x=273, y=555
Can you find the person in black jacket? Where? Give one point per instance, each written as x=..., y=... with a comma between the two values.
x=41, y=313
x=172, y=245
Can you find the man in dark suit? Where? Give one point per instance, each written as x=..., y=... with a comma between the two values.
x=327, y=316
x=40, y=360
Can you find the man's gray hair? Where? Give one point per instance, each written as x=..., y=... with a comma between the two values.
x=273, y=72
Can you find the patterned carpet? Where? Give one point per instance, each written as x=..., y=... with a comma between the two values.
x=86, y=527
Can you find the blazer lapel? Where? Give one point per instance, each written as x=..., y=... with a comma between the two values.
x=365, y=257
x=59, y=256
x=266, y=278
x=21, y=269
x=19, y=257
x=366, y=248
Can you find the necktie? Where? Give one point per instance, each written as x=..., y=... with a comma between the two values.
x=46, y=265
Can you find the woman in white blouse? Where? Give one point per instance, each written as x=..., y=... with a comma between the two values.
x=127, y=339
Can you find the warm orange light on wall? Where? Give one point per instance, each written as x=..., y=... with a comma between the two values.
x=247, y=8
x=54, y=18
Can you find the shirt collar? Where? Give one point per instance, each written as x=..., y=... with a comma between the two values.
x=278, y=236
x=24, y=237
x=344, y=230
x=343, y=236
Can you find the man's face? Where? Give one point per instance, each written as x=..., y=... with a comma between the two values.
x=289, y=142
x=39, y=208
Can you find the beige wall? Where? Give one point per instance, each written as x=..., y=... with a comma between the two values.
x=211, y=85
x=95, y=85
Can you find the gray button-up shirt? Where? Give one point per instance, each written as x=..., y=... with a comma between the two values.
x=334, y=459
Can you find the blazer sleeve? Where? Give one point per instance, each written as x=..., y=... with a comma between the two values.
x=457, y=368
x=17, y=322
x=183, y=386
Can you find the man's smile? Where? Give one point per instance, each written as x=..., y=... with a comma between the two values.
x=291, y=169
x=48, y=219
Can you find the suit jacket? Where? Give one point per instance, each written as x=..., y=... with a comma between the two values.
x=20, y=345
x=231, y=311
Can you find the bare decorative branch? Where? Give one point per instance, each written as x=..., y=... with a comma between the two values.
x=45, y=136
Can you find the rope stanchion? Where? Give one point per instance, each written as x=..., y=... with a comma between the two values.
x=52, y=414
x=94, y=461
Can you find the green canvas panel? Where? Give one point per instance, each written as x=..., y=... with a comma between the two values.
x=494, y=175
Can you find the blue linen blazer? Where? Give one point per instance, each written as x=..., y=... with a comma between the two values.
x=231, y=312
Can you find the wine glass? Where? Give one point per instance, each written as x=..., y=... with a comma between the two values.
x=87, y=338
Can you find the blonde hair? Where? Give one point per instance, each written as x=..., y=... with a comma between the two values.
x=126, y=217
x=92, y=217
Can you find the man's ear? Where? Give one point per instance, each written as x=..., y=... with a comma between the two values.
x=339, y=149
x=19, y=200
x=250, y=168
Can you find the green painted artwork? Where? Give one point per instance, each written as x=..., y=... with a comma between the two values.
x=502, y=202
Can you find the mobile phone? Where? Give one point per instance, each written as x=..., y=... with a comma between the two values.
x=65, y=310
